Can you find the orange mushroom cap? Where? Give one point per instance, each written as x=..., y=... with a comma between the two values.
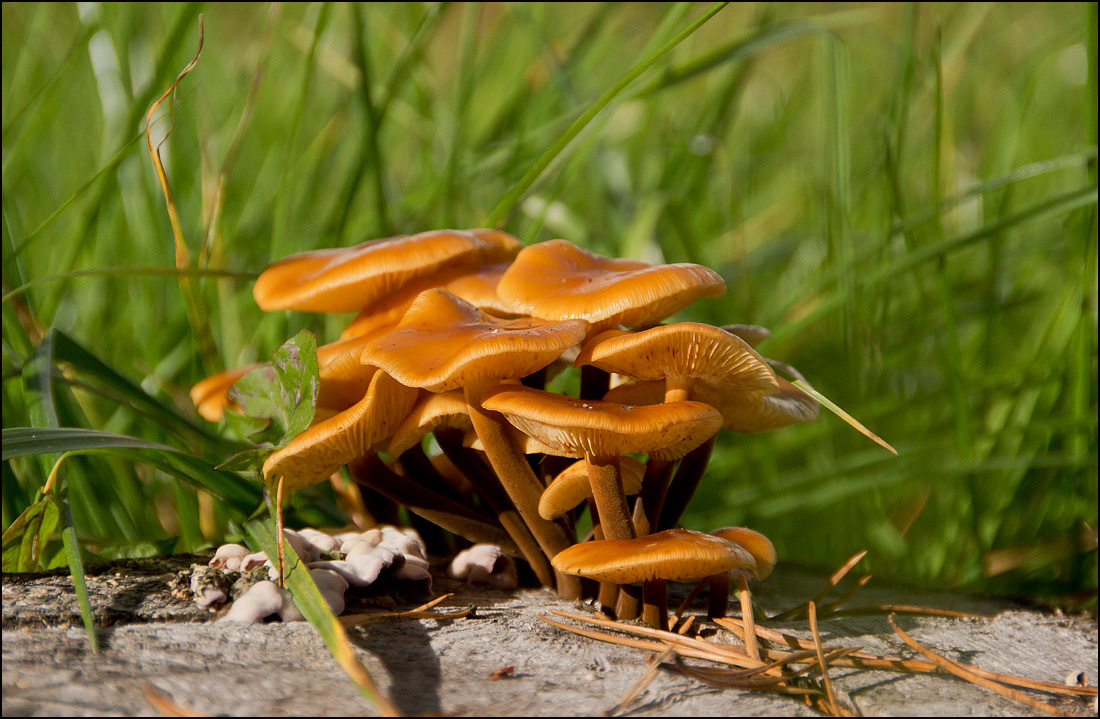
x=572, y=486
x=680, y=351
x=443, y=343
x=578, y=427
x=675, y=555
x=759, y=546
x=211, y=395
x=432, y=410
x=558, y=280
x=316, y=453
x=749, y=413
x=348, y=279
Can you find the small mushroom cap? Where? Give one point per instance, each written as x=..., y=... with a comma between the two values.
x=443, y=343
x=578, y=427
x=211, y=395
x=750, y=412
x=675, y=555
x=572, y=486
x=745, y=412
x=558, y=280
x=432, y=410
x=349, y=279
x=759, y=546
x=753, y=334
x=681, y=350
x=479, y=288
x=315, y=454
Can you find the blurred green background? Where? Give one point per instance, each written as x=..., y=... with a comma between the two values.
x=904, y=193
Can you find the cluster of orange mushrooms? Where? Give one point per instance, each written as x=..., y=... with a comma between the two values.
x=457, y=335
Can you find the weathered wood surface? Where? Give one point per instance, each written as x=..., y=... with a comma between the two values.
x=154, y=636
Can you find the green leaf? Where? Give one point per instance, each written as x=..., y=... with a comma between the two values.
x=250, y=460
x=284, y=392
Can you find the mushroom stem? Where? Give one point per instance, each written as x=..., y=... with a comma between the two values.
x=521, y=484
x=416, y=465
x=655, y=483
x=719, y=595
x=627, y=606
x=655, y=598
x=609, y=591
x=605, y=476
x=684, y=483
x=655, y=486
x=607, y=491
x=473, y=467
x=372, y=472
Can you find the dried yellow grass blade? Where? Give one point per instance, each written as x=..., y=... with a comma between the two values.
x=838, y=575
x=835, y=409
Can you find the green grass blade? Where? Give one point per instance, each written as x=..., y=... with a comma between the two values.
x=241, y=495
x=147, y=271
x=504, y=209
x=315, y=609
x=126, y=392
x=728, y=53
x=24, y=441
x=1057, y=205
x=76, y=571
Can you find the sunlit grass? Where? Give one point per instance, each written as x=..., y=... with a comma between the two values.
x=904, y=194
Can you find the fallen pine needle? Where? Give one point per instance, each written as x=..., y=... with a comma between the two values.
x=163, y=703
x=863, y=660
x=424, y=611
x=644, y=681
x=834, y=708
x=964, y=673
x=838, y=575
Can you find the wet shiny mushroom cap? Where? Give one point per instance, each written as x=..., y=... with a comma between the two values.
x=675, y=555
x=349, y=279
x=759, y=546
x=749, y=413
x=558, y=280
x=443, y=343
x=577, y=427
x=316, y=453
x=432, y=410
x=680, y=351
x=571, y=486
